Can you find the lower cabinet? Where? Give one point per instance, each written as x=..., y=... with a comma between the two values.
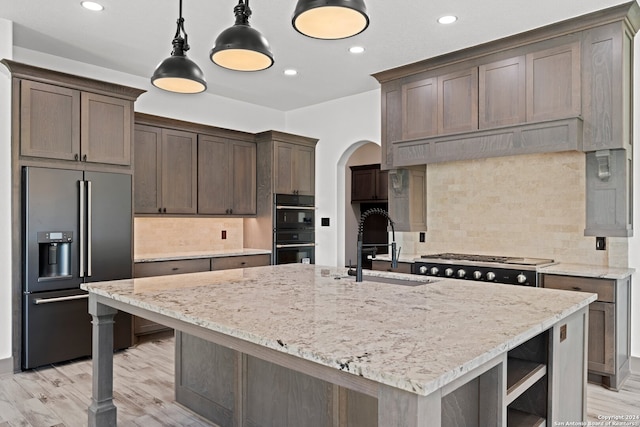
x=163, y=268
x=609, y=325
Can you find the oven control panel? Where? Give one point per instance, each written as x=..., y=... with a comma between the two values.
x=511, y=276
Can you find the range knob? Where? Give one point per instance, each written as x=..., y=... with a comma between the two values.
x=423, y=269
x=477, y=275
x=448, y=272
x=434, y=271
x=521, y=278
x=491, y=275
x=461, y=273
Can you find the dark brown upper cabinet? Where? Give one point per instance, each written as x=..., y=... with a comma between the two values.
x=57, y=122
x=368, y=184
x=294, y=168
x=165, y=171
x=226, y=176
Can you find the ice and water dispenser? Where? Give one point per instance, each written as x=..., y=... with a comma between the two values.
x=54, y=254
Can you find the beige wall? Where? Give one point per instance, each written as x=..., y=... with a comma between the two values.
x=162, y=235
x=531, y=206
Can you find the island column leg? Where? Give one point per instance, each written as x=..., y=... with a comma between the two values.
x=399, y=408
x=102, y=411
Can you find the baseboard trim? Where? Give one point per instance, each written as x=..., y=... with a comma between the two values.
x=634, y=365
x=6, y=366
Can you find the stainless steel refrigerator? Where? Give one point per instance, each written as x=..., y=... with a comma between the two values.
x=77, y=228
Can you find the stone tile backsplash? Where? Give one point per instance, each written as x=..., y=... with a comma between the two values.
x=158, y=235
x=529, y=205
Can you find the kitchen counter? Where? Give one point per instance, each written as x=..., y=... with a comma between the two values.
x=415, y=339
x=180, y=255
x=583, y=270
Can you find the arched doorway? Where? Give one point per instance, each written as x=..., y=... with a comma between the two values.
x=359, y=153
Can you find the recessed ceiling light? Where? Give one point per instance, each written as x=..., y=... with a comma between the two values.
x=290, y=72
x=356, y=49
x=91, y=5
x=447, y=19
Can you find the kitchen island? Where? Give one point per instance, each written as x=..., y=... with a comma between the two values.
x=436, y=353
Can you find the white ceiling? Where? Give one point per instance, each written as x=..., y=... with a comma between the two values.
x=134, y=36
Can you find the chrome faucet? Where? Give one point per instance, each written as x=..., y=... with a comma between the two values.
x=394, y=255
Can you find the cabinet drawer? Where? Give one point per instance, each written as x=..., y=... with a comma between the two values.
x=163, y=268
x=603, y=287
x=225, y=263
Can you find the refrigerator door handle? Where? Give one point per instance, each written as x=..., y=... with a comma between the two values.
x=82, y=215
x=39, y=301
x=89, y=226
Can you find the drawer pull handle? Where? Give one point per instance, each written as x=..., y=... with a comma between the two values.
x=242, y=263
x=175, y=269
x=575, y=288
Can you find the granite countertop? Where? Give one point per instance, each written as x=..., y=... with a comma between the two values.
x=584, y=270
x=562, y=268
x=416, y=338
x=173, y=256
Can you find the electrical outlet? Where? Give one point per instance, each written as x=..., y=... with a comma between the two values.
x=224, y=234
x=422, y=236
x=563, y=332
x=601, y=243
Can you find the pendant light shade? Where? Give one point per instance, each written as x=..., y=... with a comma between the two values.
x=241, y=47
x=330, y=19
x=178, y=73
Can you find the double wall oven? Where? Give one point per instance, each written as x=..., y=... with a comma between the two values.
x=294, y=229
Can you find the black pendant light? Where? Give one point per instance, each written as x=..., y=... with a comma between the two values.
x=241, y=47
x=178, y=73
x=330, y=19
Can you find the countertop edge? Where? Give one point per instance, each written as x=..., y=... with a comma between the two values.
x=178, y=256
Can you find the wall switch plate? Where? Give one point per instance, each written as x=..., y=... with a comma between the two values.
x=563, y=333
x=601, y=243
x=224, y=234
x=422, y=236
x=324, y=222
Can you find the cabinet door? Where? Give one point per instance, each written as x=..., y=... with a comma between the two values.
x=553, y=83
x=363, y=185
x=305, y=170
x=213, y=175
x=458, y=101
x=106, y=129
x=502, y=93
x=382, y=185
x=420, y=109
x=49, y=121
x=602, y=337
x=242, y=161
x=147, y=158
x=179, y=171
x=283, y=167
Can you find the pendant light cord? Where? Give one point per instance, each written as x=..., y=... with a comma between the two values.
x=180, y=28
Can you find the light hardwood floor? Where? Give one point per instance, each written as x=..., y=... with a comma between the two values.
x=58, y=396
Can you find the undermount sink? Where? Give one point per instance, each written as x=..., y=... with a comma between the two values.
x=393, y=280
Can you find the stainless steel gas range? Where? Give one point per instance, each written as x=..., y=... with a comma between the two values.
x=486, y=268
